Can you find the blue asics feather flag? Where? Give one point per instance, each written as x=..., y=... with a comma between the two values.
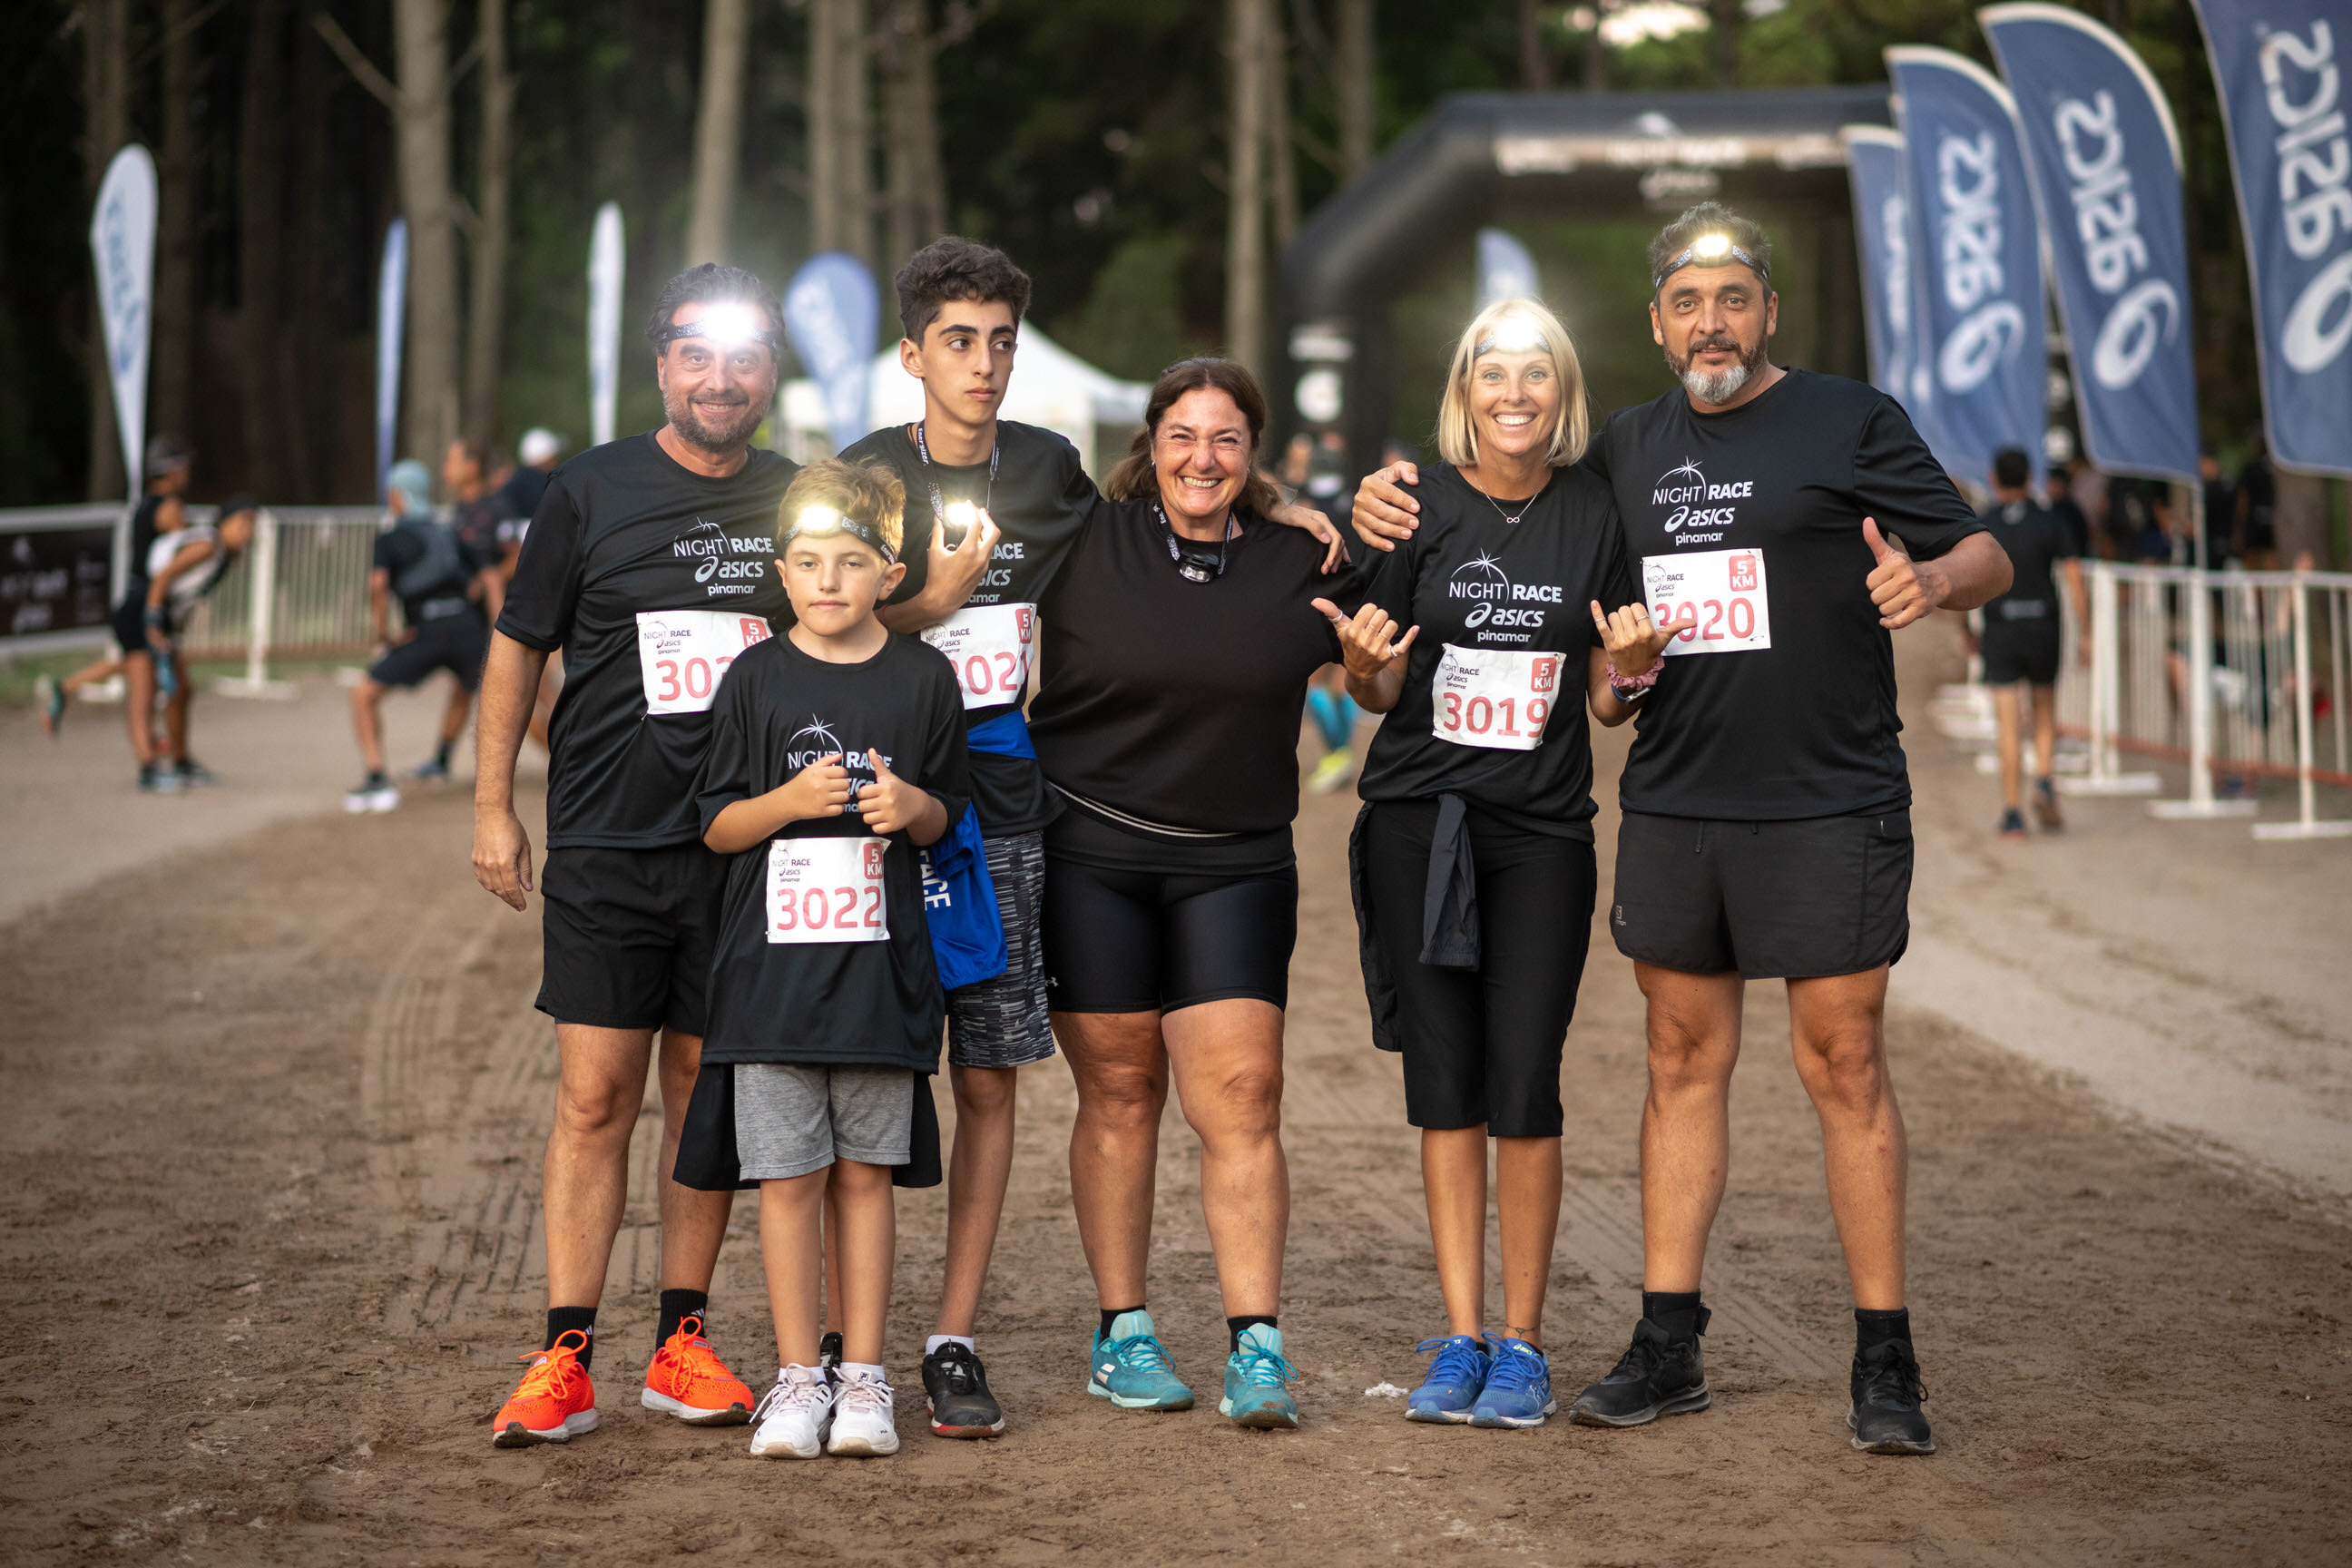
x=831, y=311
x=2104, y=157
x=2279, y=67
x=1979, y=255
x=1890, y=287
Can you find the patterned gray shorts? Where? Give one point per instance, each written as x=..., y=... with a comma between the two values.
x=1001, y=1022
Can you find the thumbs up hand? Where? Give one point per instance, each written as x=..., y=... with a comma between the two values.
x=1903, y=590
x=891, y=805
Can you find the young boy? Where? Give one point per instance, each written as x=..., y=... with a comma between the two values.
x=836, y=750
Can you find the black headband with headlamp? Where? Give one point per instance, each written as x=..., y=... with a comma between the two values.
x=818, y=521
x=1709, y=251
x=723, y=326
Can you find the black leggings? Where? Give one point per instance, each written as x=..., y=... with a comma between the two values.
x=1483, y=1045
x=1145, y=942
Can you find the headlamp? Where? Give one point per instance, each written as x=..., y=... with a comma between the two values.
x=725, y=327
x=817, y=520
x=1709, y=251
x=1512, y=335
x=961, y=516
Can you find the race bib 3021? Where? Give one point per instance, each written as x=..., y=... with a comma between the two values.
x=826, y=889
x=1499, y=697
x=989, y=645
x=1724, y=589
x=683, y=654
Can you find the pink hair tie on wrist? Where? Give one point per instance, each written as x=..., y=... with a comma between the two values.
x=1628, y=687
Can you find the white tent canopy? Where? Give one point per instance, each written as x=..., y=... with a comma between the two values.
x=1051, y=387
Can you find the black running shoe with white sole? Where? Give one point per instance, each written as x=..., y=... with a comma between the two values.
x=828, y=1353
x=955, y=1386
x=1656, y=1376
x=1885, y=1415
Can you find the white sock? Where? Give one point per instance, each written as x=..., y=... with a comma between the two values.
x=871, y=1371
x=931, y=1346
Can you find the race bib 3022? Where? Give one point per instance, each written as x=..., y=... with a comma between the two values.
x=826, y=889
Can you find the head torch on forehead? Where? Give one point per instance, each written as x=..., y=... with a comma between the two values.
x=1709, y=251
x=820, y=522
x=725, y=327
x=1513, y=335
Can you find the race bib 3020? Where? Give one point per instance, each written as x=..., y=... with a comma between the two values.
x=1724, y=589
x=683, y=655
x=826, y=889
x=1498, y=697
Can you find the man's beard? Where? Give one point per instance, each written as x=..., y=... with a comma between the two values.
x=712, y=425
x=1716, y=387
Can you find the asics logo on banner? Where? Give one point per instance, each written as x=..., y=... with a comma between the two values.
x=2106, y=218
x=1497, y=606
x=1687, y=490
x=2303, y=85
x=1968, y=184
x=725, y=564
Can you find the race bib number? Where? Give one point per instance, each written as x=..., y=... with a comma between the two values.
x=682, y=654
x=1493, y=697
x=826, y=889
x=989, y=645
x=1724, y=588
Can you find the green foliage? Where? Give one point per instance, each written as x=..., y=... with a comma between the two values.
x=1132, y=324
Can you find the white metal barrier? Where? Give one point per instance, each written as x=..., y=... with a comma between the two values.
x=300, y=591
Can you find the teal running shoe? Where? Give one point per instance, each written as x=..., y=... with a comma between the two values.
x=1446, y=1395
x=1518, y=1386
x=1255, y=1377
x=1129, y=1367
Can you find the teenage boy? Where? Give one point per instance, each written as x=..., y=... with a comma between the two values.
x=836, y=750
x=996, y=507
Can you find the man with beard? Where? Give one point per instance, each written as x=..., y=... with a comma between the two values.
x=1765, y=830
x=650, y=564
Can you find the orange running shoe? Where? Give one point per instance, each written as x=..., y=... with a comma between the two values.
x=688, y=1380
x=555, y=1402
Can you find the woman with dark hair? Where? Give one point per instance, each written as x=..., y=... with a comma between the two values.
x=1177, y=642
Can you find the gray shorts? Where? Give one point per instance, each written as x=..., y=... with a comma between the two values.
x=1002, y=1023
x=790, y=1120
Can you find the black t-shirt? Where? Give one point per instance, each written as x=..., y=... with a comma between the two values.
x=2036, y=539
x=1176, y=701
x=1470, y=579
x=434, y=594
x=870, y=1003
x=625, y=530
x=1805, y=726
x=2260, y=487
x=142, y=534
x=482, y=524
x=1040, y=497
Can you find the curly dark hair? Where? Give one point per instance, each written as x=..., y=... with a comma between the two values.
x=708, y=284
x=1136, y=479
x=954, y=268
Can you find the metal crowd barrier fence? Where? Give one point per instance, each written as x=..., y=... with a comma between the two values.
x=2241, y=674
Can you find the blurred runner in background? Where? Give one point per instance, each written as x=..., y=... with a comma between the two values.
x=182, y=568
x=2022, y=635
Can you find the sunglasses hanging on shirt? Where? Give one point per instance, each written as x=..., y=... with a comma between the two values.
x=1195, y=562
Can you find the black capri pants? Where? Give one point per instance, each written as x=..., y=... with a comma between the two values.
x=1483, y=1045
x=1143, y=942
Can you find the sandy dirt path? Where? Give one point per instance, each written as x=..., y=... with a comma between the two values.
x=272, y=1163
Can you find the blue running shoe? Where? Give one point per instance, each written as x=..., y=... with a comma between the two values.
x=1518, y=1386
x=1454, y=1378
x=1129, y=1367
x=1255, y=1377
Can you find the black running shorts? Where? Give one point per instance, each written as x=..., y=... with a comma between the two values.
x=2028, y=652
x=1144, y=942
x=1483, y=1045
x=1819, y=895
x=629, y=935
x=458, y=643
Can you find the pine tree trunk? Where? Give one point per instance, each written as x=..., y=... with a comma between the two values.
x=179, y=208
x=916, y=208
x=841, y=196
x=310, y=427
x=718, y=128
x=262, y=247
x=1724, y=17
x=1245, y=184
x=429, y=410
x=1535, y=67
x=485, y=319
x=1355, y=69
x=106, y=104
x=1282, y=171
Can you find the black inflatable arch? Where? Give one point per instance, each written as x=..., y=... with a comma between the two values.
x=1482, y=156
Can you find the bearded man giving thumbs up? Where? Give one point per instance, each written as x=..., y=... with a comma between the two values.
x=1766, y=828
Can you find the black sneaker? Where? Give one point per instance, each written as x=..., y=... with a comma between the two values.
x=154, y=778
x=1655, y=1377
x=955, y=1387
x=828, y=1353
x=1885, y=1415
x=194, y=775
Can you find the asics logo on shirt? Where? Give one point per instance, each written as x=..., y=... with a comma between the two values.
x=1495, y=611
x=1687, y=489
x=724, y=563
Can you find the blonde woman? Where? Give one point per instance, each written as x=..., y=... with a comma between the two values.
x=1473, y=858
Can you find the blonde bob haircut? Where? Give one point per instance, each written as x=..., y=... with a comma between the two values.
x=1510, y=325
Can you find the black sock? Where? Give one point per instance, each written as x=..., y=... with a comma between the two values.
x=1112, y=1315
x=1871, y=1330
x=441, y=752
x=561, y=1320
x=1234, y=1326
x=1676, y=1311
x=676, y=1306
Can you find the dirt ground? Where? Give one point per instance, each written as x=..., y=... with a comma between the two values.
x=274, y=1109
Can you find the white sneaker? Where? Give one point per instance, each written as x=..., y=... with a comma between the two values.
x=792, y=1418
x=865, y=1425
x=371, y=796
